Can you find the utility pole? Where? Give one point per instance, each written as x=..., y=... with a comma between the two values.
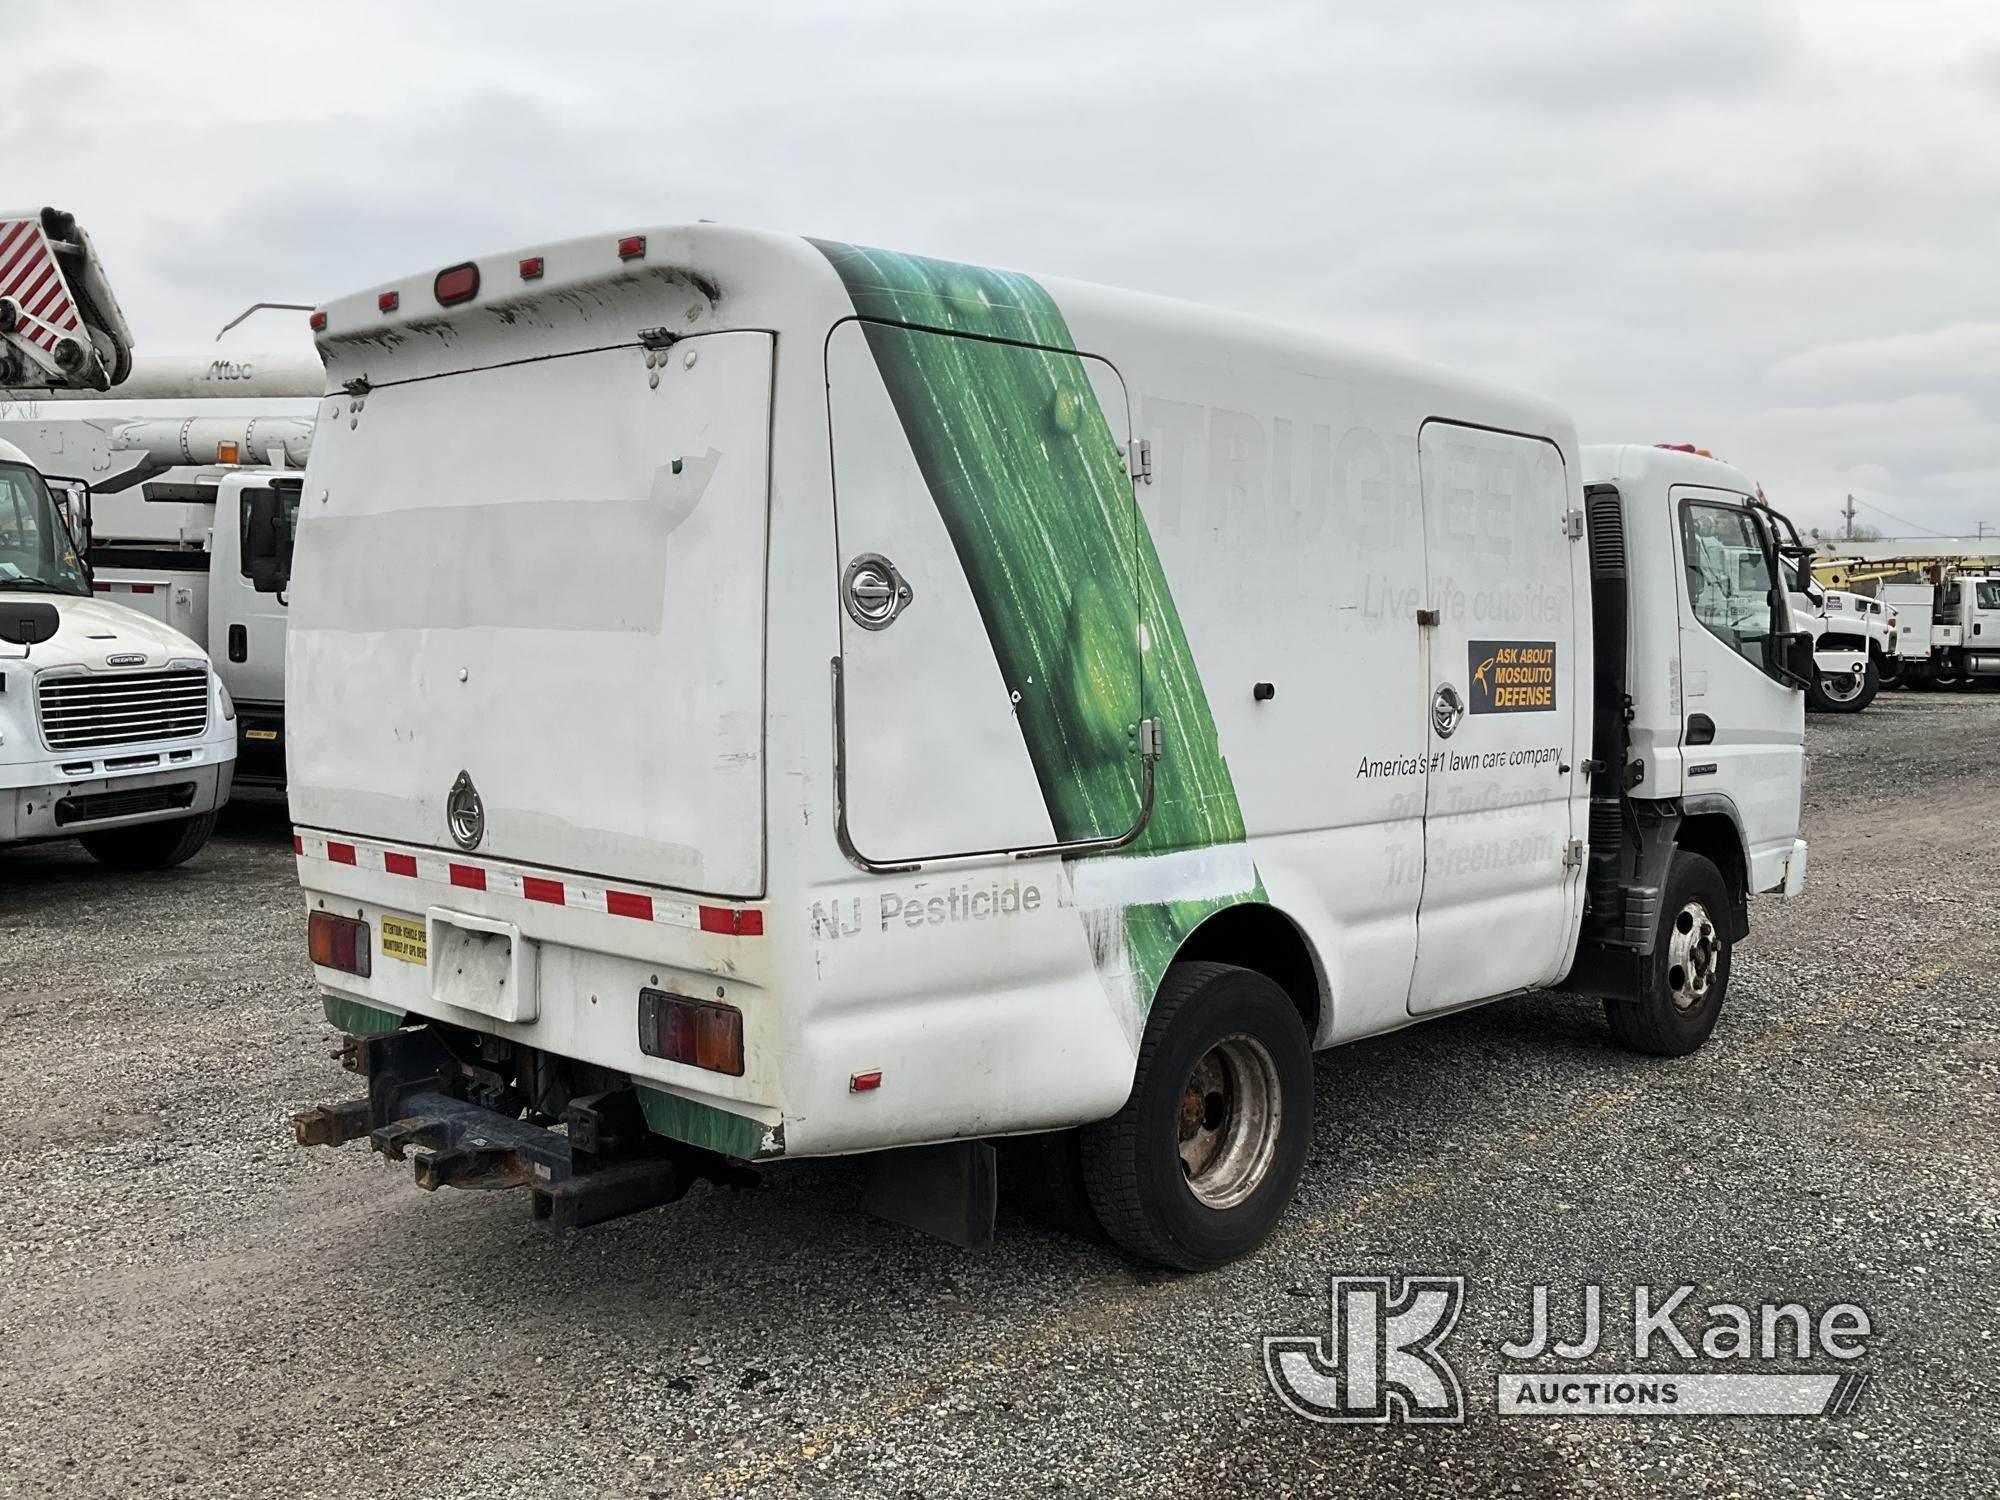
x=1848, y=535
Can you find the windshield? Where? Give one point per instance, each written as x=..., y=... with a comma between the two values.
x=35, y=547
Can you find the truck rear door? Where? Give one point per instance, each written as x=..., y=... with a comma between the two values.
x=546, y=577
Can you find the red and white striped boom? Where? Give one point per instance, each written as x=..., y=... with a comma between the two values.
x=60, y=327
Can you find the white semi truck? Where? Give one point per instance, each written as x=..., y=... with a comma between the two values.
x=938, y=704
x=113, y=728
x=163, y=505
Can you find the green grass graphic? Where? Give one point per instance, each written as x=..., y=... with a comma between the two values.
x=1031, y=484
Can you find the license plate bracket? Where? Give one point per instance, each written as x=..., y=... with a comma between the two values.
x=483, y=964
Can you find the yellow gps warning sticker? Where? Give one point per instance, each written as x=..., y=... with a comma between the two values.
x=404, y=939
x=1512, y=677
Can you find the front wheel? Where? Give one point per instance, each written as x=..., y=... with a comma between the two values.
x=150, y=846
x=1201, y=1163
x=1687, y=978
x=1845, y=692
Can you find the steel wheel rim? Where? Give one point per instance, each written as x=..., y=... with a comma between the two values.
x=1842, y=688
x=1231, y=1110
x=1694, y=956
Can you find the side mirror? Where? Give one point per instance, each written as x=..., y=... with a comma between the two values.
x=1795, y=666
x=27, y=623
x=267, y=541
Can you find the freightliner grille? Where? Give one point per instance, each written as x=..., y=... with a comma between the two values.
x=90, y=710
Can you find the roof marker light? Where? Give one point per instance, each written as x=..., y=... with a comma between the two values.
x=317, y=322
x=456, y=284
x=389, y=301
x=531, y=268
x=632, y=247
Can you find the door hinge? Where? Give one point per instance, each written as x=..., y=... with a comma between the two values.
x=1572, y=854
x=657, y=339
x=1139, y=460
x=1152, y=741
x=1573, y=525
x=1430, y=617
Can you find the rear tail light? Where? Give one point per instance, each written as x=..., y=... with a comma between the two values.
x=389, y=301
x=632, y=247
x=695, y=1032
x=340, y=943
x=456, y=284
x=317, y=321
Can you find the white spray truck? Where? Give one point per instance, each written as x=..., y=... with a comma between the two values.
x=937, y=704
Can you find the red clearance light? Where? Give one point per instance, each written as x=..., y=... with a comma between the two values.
x=695, y=1032
x=861, y=1083
x=317, y=321
x=339, y=943
x=456, y=284
x=531, y=268
x=632, y=247
x=389, y=301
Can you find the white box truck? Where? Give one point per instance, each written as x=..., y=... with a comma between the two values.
x=871, y=704
x=113, y=728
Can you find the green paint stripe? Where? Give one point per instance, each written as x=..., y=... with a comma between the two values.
x=683, y=1119
x=357, y=1019
x=1031, y=484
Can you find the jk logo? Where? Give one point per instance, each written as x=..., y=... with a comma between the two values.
x=1380, y=1359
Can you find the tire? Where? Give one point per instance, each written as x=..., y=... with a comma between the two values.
x=1848, y=694
x=1227, y=1045
x=1688, y=977
x=150, y=846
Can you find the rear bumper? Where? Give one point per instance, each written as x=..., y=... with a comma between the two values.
x=87, y=804
x=577, y=957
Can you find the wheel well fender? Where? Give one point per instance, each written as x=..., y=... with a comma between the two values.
x=1255, y=935
x=1711, y=827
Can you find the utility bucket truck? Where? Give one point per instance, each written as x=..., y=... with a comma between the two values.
x=165, y=506
x=877, y=705
x=113, y=729
x=60, y=327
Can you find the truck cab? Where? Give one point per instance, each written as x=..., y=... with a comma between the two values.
x=113, y=728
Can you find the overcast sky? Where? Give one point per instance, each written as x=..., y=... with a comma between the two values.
x=1772, y=229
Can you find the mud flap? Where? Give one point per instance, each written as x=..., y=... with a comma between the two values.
x=950, y=1192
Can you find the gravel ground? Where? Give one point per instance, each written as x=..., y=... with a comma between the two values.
x=191, y=1305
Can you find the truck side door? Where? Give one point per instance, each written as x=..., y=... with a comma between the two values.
x=1502, y=889
x=990, y=636
x=1743, y=726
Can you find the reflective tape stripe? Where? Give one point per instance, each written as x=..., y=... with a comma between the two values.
x=729, y=921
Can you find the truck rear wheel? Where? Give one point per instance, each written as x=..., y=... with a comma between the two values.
x=1688, y=976
x=150, y=846
x=1202, y=1161
x=1845, y=692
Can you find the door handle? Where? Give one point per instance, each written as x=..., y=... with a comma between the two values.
x=873, y=592
x=1447, y=708
x=1700, y=730
x=239, y=643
